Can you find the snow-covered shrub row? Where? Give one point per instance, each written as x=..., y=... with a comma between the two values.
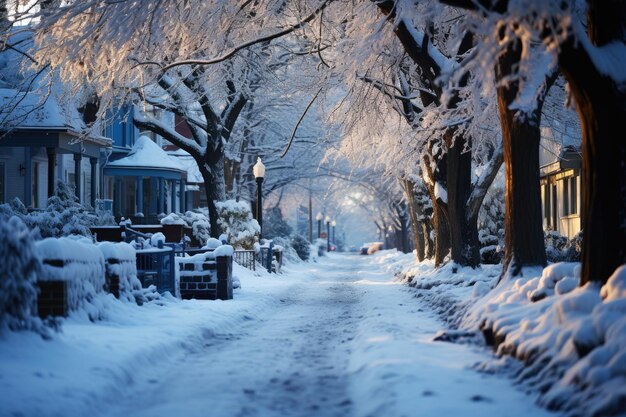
x=121, y=261
x=19, y=267
x=237, y=223
x=63, y=214
x=75, y=260
x=559, y=248
x=573, y=339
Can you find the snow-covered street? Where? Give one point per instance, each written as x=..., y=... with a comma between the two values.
x=334, y=338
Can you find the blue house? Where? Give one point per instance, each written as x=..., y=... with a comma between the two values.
x=140, y=178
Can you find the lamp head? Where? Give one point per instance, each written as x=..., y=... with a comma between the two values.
x=259, y=169
x=334, y=223
x=327, y=219
x=318, y=217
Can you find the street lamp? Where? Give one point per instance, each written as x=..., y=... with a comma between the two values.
x=334, y=224
x=327, y=220
x=259, y=173
x=319, y=224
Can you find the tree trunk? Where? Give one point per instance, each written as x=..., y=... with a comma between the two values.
x=418, y=233
x=524, y=241
x=429, y=250
x=463, y=233
x=602, y=111
x=404, y=233
x=441, y=223
x=212, y=170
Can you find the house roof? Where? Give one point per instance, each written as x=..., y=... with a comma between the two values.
x=147, y=154
x=193, y=173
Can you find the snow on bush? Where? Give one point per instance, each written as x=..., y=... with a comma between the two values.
x=573, y=339
x=19, y=266
x=237, y=223
x=63, y=214
x=302, y=246
x=77, y=262
x=559, y=248
x=284, y=245
x=491, y=226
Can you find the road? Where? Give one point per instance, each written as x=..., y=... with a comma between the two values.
x=343, y=341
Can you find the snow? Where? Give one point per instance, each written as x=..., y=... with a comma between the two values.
x=147, y=154
x=173, y=218
x=224, y=250
x=336, y=337
x=440, y=192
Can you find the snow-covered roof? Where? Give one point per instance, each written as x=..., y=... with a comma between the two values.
x=193, y=173
x=147, y=154
x=32, y=110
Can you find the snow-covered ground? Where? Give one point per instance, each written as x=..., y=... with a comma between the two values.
x=339, y=337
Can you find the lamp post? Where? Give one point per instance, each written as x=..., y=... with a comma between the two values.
x=259, y=174
x=327, y=220
x=319, y=224
x=334, y=224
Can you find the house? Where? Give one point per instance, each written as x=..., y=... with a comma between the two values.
x=140, y=179
x=41, y=140
x=560, y=186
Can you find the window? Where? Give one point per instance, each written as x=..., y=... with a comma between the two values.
x=2, y=182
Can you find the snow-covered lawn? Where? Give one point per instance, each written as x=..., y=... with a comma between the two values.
x=334, y=338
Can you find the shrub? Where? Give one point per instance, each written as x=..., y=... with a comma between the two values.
x=274, y=225
x=237, y=223
x=18, y=275
x=301, y=246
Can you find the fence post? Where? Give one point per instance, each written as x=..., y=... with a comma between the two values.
x=224, y=267
x=269, y=257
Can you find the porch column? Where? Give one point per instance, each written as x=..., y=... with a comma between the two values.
x=28, y=178
x=94, y=172
x=140, y=195
x=77, y=174
x=117, y=199
x=161, y=200
x=52, y=159
x=181, y=186
x=173, y=195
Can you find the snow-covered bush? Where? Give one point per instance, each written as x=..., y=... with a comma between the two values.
x=491, y=226
x=559, y=248
x=555, y=245
x=19, y=266
x=63, y=215
x=237, y=223
x=301, y=246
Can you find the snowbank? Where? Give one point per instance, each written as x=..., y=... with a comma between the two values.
x=572, y=339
